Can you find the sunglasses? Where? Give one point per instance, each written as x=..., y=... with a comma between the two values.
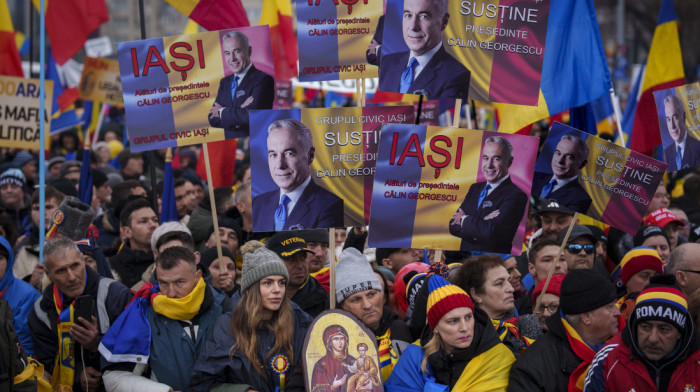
x=576, y=248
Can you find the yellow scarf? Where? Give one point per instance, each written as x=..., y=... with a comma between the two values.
x=387, y=355
x=184, y=308
x=487, y=372
x=64, y=368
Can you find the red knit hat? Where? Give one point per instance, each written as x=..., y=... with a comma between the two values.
x=639, y=259
x=554, y=287
x=443, y=298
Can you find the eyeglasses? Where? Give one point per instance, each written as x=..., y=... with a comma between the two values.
x=576, y=248
x=552, y=308
x=693, y=271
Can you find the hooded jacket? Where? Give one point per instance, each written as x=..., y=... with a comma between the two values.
x=215, y=366
x=633, y=370
x=20, y=296
x=487, y=353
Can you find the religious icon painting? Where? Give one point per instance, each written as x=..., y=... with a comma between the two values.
x=340, y=354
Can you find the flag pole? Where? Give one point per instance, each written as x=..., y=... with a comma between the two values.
x=332, y=261
x=100, y=119
x=42, y=127
x=420, y=108
x=618, y=117
x=213, y=208
x=151, y=154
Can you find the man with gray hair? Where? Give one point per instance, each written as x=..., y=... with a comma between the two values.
x=299, y=203
x=55, y=317
x=491, y=212
x=562, y=185
x=247, y=88
x=426, y=68
x=684, y=151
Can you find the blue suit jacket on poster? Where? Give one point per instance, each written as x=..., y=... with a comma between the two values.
x=493, y=235
x=691, y=155
x=234, y=120
x=316, y=207
x=443, y=76
x=571, y=195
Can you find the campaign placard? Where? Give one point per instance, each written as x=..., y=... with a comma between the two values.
x=195, y=88
x=490, y=50
x=19, y=112
x=592, y=176
x=679, y=123
x=100, y=81
x=451, y=189
x=338, y=40
x=322, y=160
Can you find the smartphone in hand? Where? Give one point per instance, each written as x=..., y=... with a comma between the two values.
x=83, y=307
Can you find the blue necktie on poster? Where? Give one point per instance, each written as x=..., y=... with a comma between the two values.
x=281, y=213
x=483, y=194
x=547, y=189
x=407, y=76
x=678, y=158
x=234, y=86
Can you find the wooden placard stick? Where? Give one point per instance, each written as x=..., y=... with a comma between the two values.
x=331, y=256
x=554, y=264
x=458, y=109
x=219, y=253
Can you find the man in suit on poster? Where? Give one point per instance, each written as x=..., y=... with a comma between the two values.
x=684, y=152
x=299, y=203
x=246, y=89
x=426, y=68
x=491, y=212
x=562, y=186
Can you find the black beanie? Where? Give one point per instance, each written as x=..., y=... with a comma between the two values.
x=211, y=255
x=583, y=290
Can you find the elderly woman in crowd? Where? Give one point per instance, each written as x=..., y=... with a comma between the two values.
x=487, y=281
x=463, y=353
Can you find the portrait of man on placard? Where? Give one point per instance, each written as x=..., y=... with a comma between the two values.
x=492, y=210
x=425, y=68
x=562, y=185
x=684, y=151
x=299, y=203
x=247, y=88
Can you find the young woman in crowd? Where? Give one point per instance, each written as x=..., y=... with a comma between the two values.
x=254, y=348
x=463, y=352
x=487, y=281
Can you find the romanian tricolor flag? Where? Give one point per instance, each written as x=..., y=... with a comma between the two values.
x=213, y=14
x=63, y=115
x=70, y=22
x=664, y=69
x=278, y=15
x=574, y=71
x=10, y=62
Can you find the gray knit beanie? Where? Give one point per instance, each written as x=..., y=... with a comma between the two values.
x=73, y=218
x=259, y=264
x=354, y=274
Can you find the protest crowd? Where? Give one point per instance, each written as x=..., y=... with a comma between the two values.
x=124, y=270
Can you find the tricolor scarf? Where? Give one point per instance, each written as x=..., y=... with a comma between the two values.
x=511, y=325
x=2, y=293
x=487, y=371
x=64, y=368
x=387, y=355
x=129, y=337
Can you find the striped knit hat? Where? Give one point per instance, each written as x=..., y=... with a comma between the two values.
x=639, y=259
x=443, y=298
x=662, y=303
